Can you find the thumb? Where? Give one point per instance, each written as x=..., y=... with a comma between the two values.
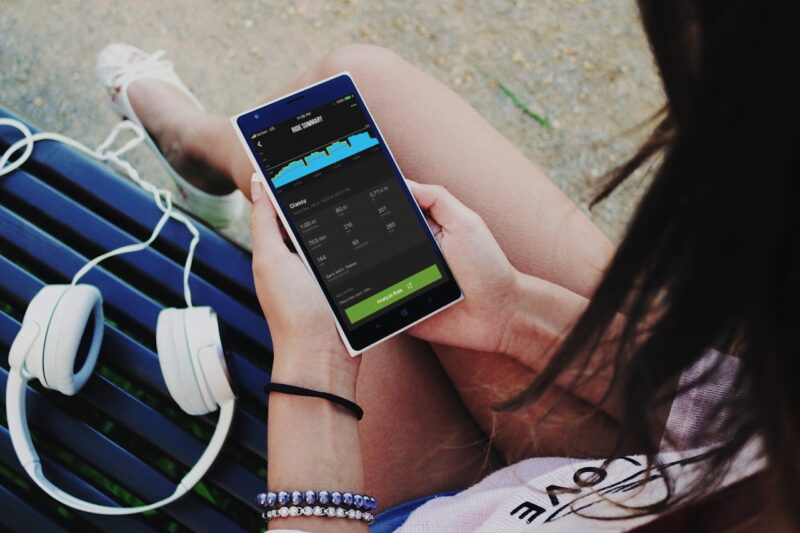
x=444, y=208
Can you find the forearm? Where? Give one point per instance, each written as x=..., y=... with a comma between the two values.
x=544, y=315
x=313, y=444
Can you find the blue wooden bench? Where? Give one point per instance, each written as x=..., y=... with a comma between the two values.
x=122, y=439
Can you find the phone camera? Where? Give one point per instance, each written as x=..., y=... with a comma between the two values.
x=256, y=116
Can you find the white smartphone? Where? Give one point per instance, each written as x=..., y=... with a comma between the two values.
x=348, y=211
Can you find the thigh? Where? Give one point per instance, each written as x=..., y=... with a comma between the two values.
x=417, y=437
x=437, y=137
x=558, y=424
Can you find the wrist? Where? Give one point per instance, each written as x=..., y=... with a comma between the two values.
x=524, y=325
x=325, y=370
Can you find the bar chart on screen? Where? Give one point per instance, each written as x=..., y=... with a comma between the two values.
x=324, y=157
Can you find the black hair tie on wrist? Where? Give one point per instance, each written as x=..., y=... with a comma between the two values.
x=353, y=407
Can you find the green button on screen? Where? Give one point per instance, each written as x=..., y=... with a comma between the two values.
x=392, y=294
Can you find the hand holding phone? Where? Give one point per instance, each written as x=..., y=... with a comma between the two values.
x=294, y=306
x=488, y=279
x=304, y=337
x=347, y=209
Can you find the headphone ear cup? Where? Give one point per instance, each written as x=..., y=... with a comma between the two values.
x=175, y=358
x=72, y=340
x=203, y=328
x=37, y=316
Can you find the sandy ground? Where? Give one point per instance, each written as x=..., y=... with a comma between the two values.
x=584, y=65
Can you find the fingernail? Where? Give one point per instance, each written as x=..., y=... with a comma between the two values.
x=256, y=189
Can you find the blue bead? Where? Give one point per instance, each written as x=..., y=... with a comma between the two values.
x=324, y=497
x=373, y=503
x=271, y=499
x=311, y=497
x=347, y=498
x=261, y=500
x=336, y=498
x=283, y=498
x=297, y=497
x=358, y=501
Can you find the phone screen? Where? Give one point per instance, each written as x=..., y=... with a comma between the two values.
x=346, y=202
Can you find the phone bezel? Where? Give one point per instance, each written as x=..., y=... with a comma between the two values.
x=388, y=323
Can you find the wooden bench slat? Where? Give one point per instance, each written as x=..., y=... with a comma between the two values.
x=18, y=516
x=169, y=438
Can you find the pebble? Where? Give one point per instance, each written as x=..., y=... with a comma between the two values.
x=520, y=60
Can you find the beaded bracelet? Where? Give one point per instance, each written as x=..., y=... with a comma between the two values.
x=317, y=510
x=345, y=500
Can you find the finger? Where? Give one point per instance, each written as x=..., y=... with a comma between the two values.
x=265, y=228
x=444, y=208
x=435, y=228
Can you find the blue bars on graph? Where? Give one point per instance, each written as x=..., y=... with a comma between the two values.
x=333, y=153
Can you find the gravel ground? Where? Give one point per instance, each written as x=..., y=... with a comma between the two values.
x=584, y=65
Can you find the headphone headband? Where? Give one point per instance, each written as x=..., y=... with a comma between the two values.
x=46, y=348
x=16, y=388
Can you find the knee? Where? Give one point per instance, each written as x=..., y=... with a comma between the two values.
x=361, y=60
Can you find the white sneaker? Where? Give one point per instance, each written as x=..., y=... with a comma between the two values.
x=118, y=65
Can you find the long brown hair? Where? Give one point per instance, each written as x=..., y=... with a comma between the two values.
x=715, y=243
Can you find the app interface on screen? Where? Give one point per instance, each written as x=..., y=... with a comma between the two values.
x=349, y=210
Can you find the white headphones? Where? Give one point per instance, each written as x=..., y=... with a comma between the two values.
x=61, y=332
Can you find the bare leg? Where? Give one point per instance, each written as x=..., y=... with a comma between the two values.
x=184, y=134
x=437, y=137
x=417, y=436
